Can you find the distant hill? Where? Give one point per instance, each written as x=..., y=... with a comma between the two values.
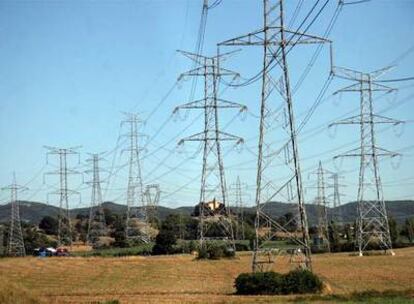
x=33, y=212
x=399, y=210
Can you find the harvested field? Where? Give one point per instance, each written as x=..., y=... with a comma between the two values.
x=181, y=279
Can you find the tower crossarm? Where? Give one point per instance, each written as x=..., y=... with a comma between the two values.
x=350, y=74
x=358, y=120
x=256, y=38
x=212, y=135
x=208, y=70
x=357, y=152
x=202, y=104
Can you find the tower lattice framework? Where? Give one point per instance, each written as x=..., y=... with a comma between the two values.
x=322, y=206
x=240, y=235
x=15, y=244
x=213, y=183
x=336, y=215
x=65, y=233
x=96, y=224
x=277, y=41
x=137, y=227
x=152, y=196
x=372, y=221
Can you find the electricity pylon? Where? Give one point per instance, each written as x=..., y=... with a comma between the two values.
x=372, y=222
x=322, y=210
x=213, y=182
x=240, y=211
x=152, y=195
x=96, y=223
x=336, y=215
x=1, y=240
x=65, y=236
x=136, y=225
x=15, y=245
x=276, y=41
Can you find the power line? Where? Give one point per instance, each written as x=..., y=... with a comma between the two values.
x=397, y=79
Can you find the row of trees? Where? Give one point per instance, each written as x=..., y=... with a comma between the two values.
x=184, y=227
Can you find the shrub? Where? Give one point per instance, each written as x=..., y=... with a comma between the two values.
x=164, y=243
x=202, y=253
x=259, y=283
x=301, y=281
x=272, y=283
x=215, y=251
x=242, y=247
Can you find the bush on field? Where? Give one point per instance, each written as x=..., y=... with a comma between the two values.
x=214, y=251
x=164, y=243
x=301, y=281
x=242, y=247
x=259, y=283
x=272, y=283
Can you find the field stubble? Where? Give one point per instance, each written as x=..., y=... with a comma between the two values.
x=181, y=279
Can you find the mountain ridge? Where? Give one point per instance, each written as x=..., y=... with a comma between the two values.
x=33, y=212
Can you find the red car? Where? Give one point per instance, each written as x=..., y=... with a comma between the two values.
x=62, y=252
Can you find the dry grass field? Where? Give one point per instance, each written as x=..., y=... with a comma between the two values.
x=181, y=279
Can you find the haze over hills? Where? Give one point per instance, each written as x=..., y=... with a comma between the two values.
x=33, y=212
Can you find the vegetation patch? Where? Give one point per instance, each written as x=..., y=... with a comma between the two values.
x=272, y=283
x=215, y=251
x=143, y=249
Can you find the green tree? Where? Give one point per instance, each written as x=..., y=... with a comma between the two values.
x=110, y=217
x=164, y=242
x=334, y=238
x=49, y=225
x=34, y=238
x=393, y=230
x=118, y=232
x=408, y=229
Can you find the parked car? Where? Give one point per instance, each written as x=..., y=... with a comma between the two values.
x=62, y=251
x=44, y=252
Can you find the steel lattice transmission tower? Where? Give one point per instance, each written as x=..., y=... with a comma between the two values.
x=65, y=235
x=372, y=223
x=2, y=240
x=322, y=210
x=213, y=182
x=276, y=41
x=152, y=196
x=136, y=226
x=15, y=245
x=240, y=211
x=336, y=197
x=96, y=223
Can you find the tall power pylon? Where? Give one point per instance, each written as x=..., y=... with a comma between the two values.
x=336, y=198
x=240, y=211
x=136, y=225
x=65, y=236
x=96, y=223
x=2, y=240
x=322, y=210
x=15, y=245
x=276, y=41
x=213, y=182
x=372, y=220
x=152, y=196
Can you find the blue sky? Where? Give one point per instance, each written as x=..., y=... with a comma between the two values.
x=69, y=68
